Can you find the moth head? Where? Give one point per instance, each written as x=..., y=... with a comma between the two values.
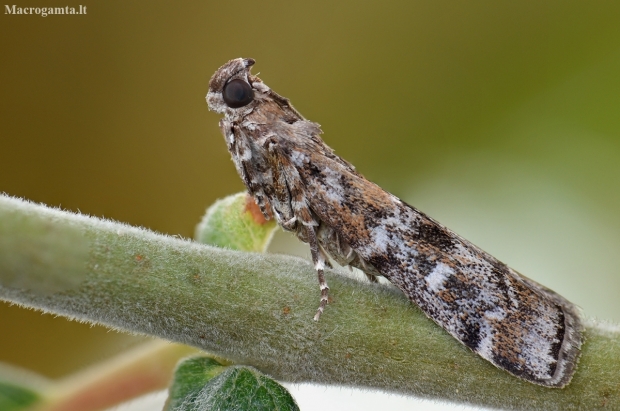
x=230, y=89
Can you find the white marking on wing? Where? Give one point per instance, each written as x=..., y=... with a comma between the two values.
x=437, y=278
x=538, y=342
x=299, y=158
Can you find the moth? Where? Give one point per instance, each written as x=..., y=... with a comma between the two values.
x=513, y=322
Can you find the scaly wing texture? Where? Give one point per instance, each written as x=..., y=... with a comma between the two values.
x=510, y=321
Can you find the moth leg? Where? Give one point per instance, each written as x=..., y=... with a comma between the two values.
x=241, y=152
x=263, y=205
x=287, y=189
x=289, y=225
x=372, y=278
x=342, y=253
x=277, y=188
x=318, y=258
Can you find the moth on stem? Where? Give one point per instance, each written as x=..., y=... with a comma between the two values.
x=513, y=322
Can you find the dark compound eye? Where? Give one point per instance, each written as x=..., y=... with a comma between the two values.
x=237, y=93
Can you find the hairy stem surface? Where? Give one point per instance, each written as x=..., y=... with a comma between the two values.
x=257, y=309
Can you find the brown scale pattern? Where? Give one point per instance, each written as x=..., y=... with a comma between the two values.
x=513, y=322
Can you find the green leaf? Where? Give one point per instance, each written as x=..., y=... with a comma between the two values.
x=236, y=222
x=14, y=397
x=20, y=389
x=202, y=384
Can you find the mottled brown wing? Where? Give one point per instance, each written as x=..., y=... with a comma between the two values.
x=510, y=321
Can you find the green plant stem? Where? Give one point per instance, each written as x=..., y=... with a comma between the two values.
x=257, y=309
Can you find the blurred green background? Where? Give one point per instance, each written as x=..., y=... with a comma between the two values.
x=499, y=119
